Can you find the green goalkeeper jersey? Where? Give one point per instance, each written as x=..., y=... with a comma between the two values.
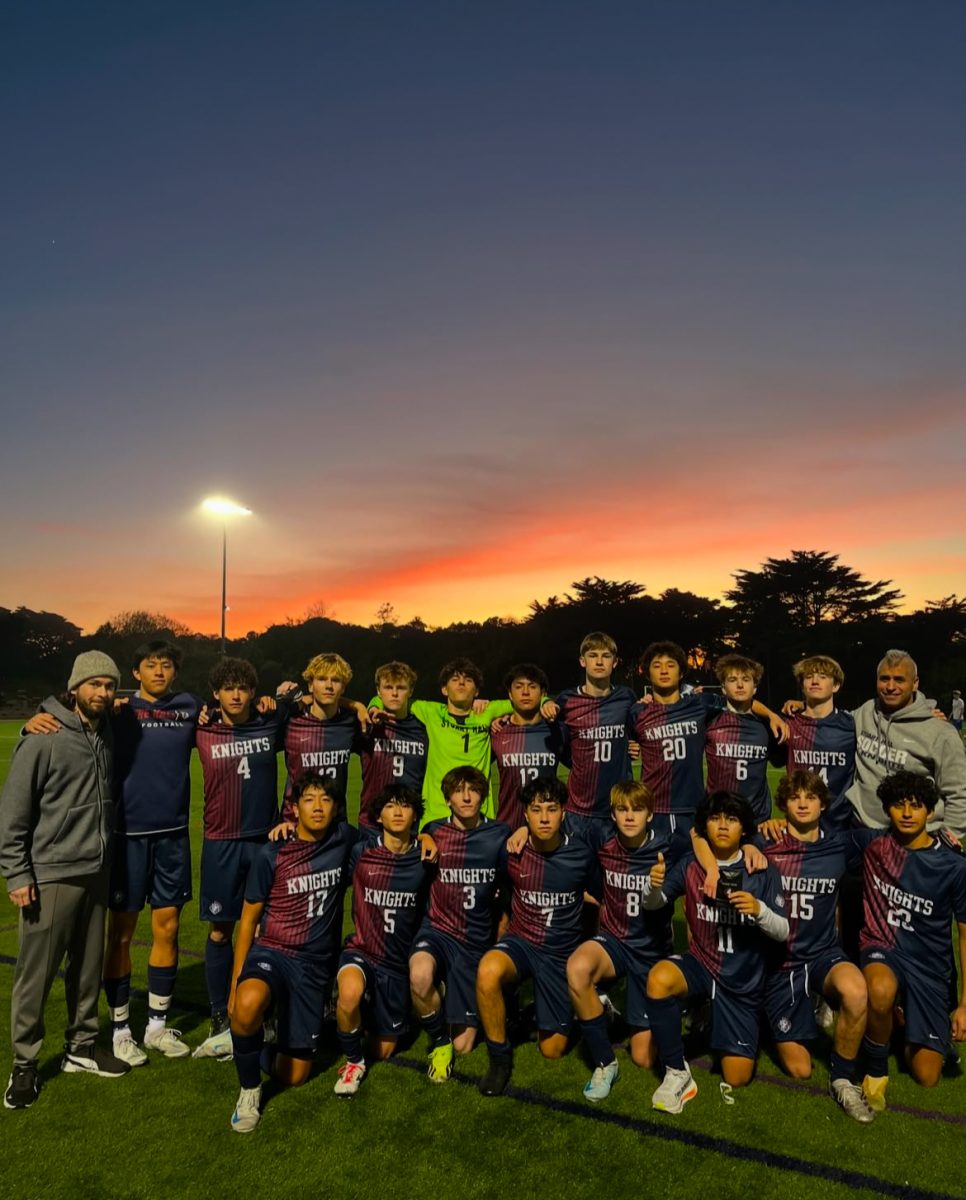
x=454, y=741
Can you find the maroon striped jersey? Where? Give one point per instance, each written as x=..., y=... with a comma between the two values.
x=596, y=731
x=388, y=898
x=239, y=767
x=470, y=871
x=318, y=746
x=547, y=900
x=393, y=751
x=523, y=753
x=624, y=875
x=672, y=738
x=302, y=885
x=736, y=747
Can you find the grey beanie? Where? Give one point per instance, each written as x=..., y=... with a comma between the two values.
x=91, y=664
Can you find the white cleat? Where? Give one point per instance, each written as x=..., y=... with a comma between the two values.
x=247, y=1112
x=351, y=1075
x=127, y=1050
x=167, y=1042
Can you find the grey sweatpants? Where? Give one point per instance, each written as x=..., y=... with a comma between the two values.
x=68, y=921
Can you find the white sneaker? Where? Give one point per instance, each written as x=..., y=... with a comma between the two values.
x=351, y=1074
x=247, y=1112
x=167, y=1042
x=127, y=1050
x=676, y=1090
x=599, y=1085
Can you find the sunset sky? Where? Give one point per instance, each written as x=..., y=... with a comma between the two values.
x=468, y=301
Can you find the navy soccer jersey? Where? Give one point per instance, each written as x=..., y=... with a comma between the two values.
x=825, y=746
x=302, y=885
x=153, y=740
x=469, y=872
x=392, y=752
x=672, y=739
x=736, y=746
x=810, y=873
x=547, y=899
x=624, y=875
x=910, y=899
x=523, y=753
x=728, y=944
x=239, y=766
x=388, y=898
x=596, y=730
x=318, y=747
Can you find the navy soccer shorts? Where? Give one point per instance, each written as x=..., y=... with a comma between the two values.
x=633, y=969
x=300, y=988
x=153, y=868
x=549, y=974
x=456, y=966
x=789, y=998
x=387, y=1003
x=924, y=998
x=224, y=871
x=734, y=1018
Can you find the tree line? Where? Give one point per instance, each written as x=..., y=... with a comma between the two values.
x=806, y=603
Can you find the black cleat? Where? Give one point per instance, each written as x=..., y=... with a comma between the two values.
x=494, y=1082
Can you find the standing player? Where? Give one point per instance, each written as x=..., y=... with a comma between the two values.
x=737, y=741
x=631, y=938
x=525, y=745
x=725, y=962
x=915, y=886
x=821, y=738
x=320, y=739
x=595, y=717
x=394, y=751
x=388, y=895
x=239, y=766
x=461, y=918
x=811, y=862
x=287, y=941
x=458, y=735
x=549, y=880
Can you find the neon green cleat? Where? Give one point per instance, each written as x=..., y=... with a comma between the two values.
x=440, y=1063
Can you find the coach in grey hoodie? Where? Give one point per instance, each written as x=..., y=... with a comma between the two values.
x=56, y=822
x=898, y=732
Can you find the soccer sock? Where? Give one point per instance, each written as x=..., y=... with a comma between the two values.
x=841, y=1068
x=876, y=1057
x=246, y=1051
x=435, y=1026
x=499, y=1049
x=598, y=1043
x=218, y=964
x=160, y=993
x=118, y=993
x=666, y=1026
x=351, y=1044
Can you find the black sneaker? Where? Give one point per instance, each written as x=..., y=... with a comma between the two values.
x=23, y=1087
x=92, y=1059
x=497, y=1076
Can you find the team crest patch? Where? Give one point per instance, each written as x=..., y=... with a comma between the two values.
x=784, y=1025
x=215, y=907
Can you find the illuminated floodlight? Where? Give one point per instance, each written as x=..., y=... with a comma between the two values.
x=222, y=507
x=219, y=506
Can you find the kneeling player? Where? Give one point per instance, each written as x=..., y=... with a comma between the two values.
x=811, y=864
x=293, y=898
x=460, y=920
x=388, y=893
x=630, y=941
x=725, y=962
x=549, y=879
x=914, y=887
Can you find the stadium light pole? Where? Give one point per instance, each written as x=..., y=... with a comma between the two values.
x=218, y=506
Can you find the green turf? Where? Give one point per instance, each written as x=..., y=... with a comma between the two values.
x=163, y=1130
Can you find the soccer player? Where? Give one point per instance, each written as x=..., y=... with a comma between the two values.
x=461, y=918
x=389, y=883
x=320, y=738
x=56, y=822
x=821, y=738
x=737, y=741
x=811, y=861
x=458, y=735
x=288, y=939
x=239, y=766
x=915, y=885
x=595, y=717
x=395, y=750
x=525, y=745
x=549, y=880
x=630, y=941
x=725, y=962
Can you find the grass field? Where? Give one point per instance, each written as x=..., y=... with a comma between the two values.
x=163, y=1130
